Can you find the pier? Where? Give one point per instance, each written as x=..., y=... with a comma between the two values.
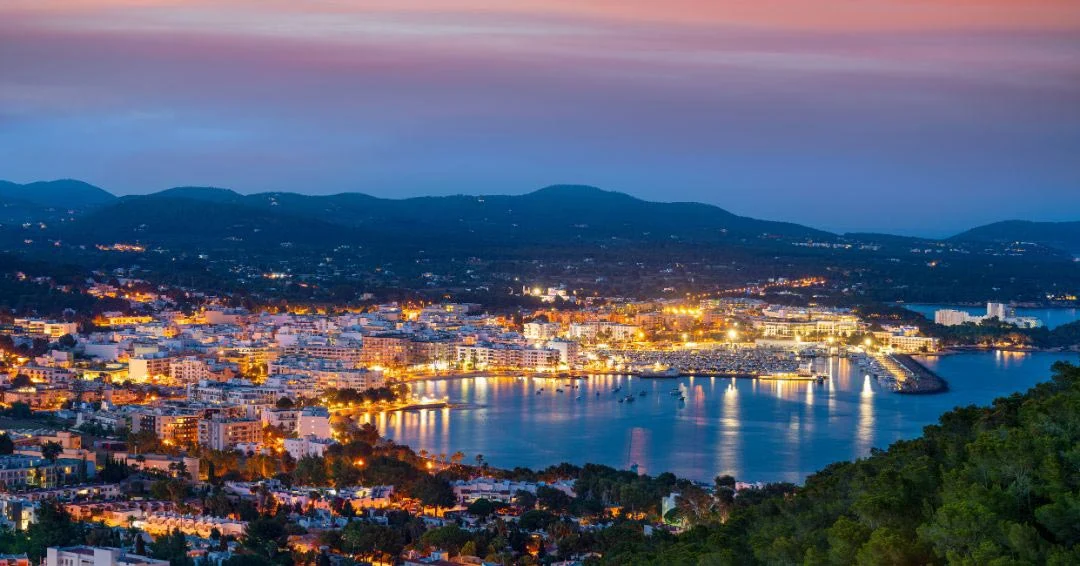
x=914, y=378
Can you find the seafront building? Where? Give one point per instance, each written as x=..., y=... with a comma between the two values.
x=999, y=311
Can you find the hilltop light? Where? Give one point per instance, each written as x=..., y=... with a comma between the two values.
x=732, y=334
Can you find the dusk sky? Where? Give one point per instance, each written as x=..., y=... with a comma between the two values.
x=910, y=116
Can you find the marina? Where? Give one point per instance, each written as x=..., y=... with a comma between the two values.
x=717, y=361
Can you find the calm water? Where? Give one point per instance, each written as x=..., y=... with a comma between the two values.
x=1052, y=318
x=754, y=430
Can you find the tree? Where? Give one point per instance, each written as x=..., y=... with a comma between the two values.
x=535, y=520
x=552, y=499
x=7, y=446
x=481, y=508
x=450, y=538
x=369, y=539
x=310, y=471
x=172, y=547
x=21, y=380
x=284, y=403
x=51, y=451
x=266, y=538
x=67, y=342
x=179, y=469
x=143, y=442
x=525, y=500
x=53, y=527
x=433, y=491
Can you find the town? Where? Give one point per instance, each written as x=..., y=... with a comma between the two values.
x=222, y=435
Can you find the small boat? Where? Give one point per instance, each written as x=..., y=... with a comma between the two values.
x=539, y=391
x=642, y=394
x=617, y=389
x=558, y=390
x=579, y=397
x=629, y=399
x=597, y=393
x=623, y=400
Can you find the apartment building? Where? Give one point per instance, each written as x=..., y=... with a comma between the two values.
x=314, y=421
x=225, y=434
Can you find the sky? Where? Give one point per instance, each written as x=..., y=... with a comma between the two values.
x=919, y=117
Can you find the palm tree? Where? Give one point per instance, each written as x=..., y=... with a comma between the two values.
x=51, y=450
x=457, y=457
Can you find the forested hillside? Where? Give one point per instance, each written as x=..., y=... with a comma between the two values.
x=990, y=485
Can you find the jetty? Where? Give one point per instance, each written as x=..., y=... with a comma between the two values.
x=915, y=378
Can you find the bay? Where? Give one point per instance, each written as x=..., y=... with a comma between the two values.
x=755, y=430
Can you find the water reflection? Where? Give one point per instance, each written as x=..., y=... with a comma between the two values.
x=864, y=435
x=752, y=429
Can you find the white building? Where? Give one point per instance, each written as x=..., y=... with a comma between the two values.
x=47, y=328
x=225, y=434
x=613, y=331
x=96, y=556
x=284, y=419
x=953, y=317
x=147, y=367
x=307, y=446
x=189, y=370
x=541, y=331
x=314, y=421
x=493, y=489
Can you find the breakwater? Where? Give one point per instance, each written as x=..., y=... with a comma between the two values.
x=919, y=379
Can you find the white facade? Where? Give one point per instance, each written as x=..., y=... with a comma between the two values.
x=605, y=330
x=307, y=446
x=953, y=317
x=313, y=421
x=144, y=368
x=96, y=556
x=541, y=331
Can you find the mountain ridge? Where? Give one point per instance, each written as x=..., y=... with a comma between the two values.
x=1063, y=235
x=591, y=210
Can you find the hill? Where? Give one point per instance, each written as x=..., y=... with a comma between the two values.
x=1060, y=235
x=64, y=193
x=554, y=215
x=46, y=201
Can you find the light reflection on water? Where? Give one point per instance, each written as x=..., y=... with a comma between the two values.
x=752, y=429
